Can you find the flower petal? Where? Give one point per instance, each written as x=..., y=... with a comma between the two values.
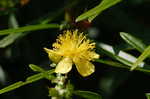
x=84, y=67
x=93, y=55
x=64, y=66
x=52, y=55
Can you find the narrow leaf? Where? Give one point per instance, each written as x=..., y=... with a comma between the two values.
x=133, y=41
x=87, y=94
x=48, y=75
x=140, y=59
x=29, y=28
x=119, y=65
x=36, y=68
x=119, y=55
x=8, y=40
x=39, y=76
x=92, y=13
x=34, y=78
x=92, y=17
x=112, y=63
x=11, y=87
x=148, y=95
x=12, y=22
x=29, y=80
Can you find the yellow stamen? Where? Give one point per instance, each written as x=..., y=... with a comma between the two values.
x=73, y=47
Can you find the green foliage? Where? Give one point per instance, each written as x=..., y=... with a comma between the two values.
x=12, y=87
x=87, y=94
x=120, y=65
x=133, y=41
x=29, y=80
x=127, y=60
x=92, y=13
x=29, y=28
x=36, y=68
x=53, y=92
x=117, y=54
x=137, y=44
x=7, y=3
x=120, y=58
x=70, y=89
x=11, y=38
x=17, y=32
x=148, y=95
x=34, y=78
x=140, y=59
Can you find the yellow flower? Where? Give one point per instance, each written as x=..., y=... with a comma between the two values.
x=71, y=48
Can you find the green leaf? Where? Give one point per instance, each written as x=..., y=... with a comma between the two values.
x=92, y=17
x=29, y=28
x=12, y=22
x=11, y=87
x=92, y=13
x=16, y=33
x=119, y=55
x=36, y=68
x=133, y=41
x=140, y=59
x=148, y=95
x=34, y=78
x=48, y=75
x=53, y=92
x=87, y=94
x=29, y=80
x=119, y=65
x=39, y=76
x=112, y=63
x=8, y=40
x=69, y=90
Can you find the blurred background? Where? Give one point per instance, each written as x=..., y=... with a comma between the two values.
x=130, y=16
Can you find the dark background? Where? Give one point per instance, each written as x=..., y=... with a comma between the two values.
x=130, y=16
